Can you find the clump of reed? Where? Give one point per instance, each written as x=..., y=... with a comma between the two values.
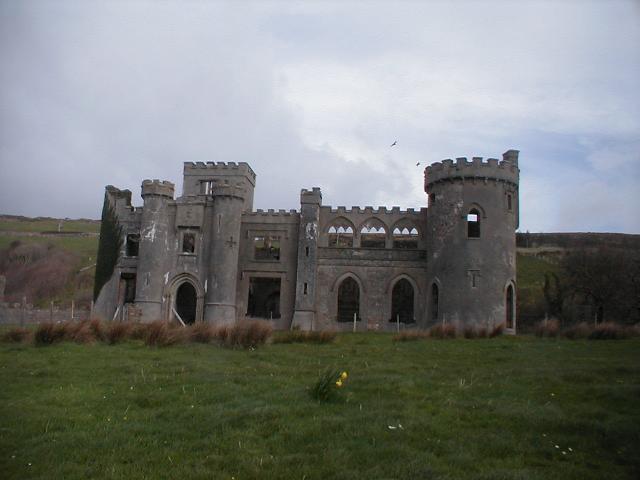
x=300, y=336
x=16, y=335
x=547, y=328
x=443, y=331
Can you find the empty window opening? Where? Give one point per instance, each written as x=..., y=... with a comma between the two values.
x=435, y=300
x=510, y=307
x=264, y=297
x=207, y=187
x=186, y=302
x=373, y=236
x=306, y=251
x=266, y=247
x=432, y=199
x=340, y=236
x=348, y=300
x=133, y=244
x=402, y=302
x=473, y=224
x=305, y=288
x=509, y=202
x=188, y=242
x=405, y=237
x=128, y=287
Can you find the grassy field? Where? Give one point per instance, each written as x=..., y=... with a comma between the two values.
x=25, y=224
x=507, y=408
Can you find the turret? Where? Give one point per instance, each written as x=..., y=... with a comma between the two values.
x=471, y=223
x=152, y=256
x=306, y=277
x=228, y=205
x=202, y=178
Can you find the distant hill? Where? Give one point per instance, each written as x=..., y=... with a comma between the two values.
x=577, y=240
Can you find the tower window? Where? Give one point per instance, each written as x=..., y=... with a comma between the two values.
x=266, y=247
x=432, y=199
x=473, y=224
x=133, y=244
x=509, y=202
x=188, y=242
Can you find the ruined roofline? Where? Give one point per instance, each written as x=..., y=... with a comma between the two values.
x=158, y=187
x=375, y=211
x=219, y=166
x=493, y=169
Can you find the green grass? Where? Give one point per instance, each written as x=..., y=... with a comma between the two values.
x=472, y=409
x=85, y=248
x=23, y=224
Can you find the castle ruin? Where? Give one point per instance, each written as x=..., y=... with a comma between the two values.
x=208, y=256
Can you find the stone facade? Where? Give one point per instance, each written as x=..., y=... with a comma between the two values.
x=207, y=256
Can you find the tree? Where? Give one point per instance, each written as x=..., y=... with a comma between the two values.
x=608, y=279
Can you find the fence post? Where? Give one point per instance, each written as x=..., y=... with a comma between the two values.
x=72, y=308
x=51, y=311
x=398, y=323
x=354, y=321
x=24, y=308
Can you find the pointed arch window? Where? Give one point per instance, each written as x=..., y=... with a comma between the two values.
x=373, y=234
x=473, y=223
x=510, y=306
x=402, y=302
x=348, y=300
x=435, y=302
x=340, y=233
x=405, y=237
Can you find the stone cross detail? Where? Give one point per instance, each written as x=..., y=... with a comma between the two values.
x=231, y=242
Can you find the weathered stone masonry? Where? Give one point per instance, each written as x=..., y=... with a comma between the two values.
x=207, y=256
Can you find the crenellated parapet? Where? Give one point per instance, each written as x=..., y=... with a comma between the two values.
x=219, y=168
x=161, y=188
x=375, y=211
x=505, y=170
x=313, y=196
x=271, y=213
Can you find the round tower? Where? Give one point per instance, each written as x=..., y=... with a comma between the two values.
x=154, y=236
x=222, y=279
x=471, y=244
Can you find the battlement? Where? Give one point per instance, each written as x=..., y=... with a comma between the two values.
x=217, y=168
x=272, y=213
x=158, y=187
x=116, y=195
x=376, y=211
x=505, y=170
x=313, y=196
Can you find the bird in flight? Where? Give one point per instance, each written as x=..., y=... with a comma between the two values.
x=394, y=143
x=418, y=164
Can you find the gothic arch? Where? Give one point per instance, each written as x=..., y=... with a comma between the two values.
x=341, y=278
x=510, y=319
x=399, y=277
x=171, y=295
x=434, y=300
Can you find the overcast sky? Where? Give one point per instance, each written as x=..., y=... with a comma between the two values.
x=313, y=94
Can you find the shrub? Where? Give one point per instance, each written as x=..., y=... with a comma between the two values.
x=80, y=332
x=161, y=334
x=470, y=332
x=201, y=332
x=547, y=328
x=299, y=336
x=138, y=331
x=116, y=332
x=580, y=330
x=410, y=336
x=16, y=335
x=248, y=334
x=443, y=331
x=328, y=385
x=608, y=331
x=496, y=331
x=48, y=333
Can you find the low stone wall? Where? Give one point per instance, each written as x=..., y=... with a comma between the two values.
x=10, y=315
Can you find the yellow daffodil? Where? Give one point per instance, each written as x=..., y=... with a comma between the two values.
x=339, y=383
x=343, y=376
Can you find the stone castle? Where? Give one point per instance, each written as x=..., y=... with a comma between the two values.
x=208, y=256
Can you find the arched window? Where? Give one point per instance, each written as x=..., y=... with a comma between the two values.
x=186, y=302
x=435, y=300
x=473, y=223
x=348, y=300
x=340, y=233
x=402, y=302
x=510, y=307
x=373, y=234
x=405, y=235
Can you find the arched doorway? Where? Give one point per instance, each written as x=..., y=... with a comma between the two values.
x=510, y=307
x=402, y=302
x=186, y=302
x=348, y=300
